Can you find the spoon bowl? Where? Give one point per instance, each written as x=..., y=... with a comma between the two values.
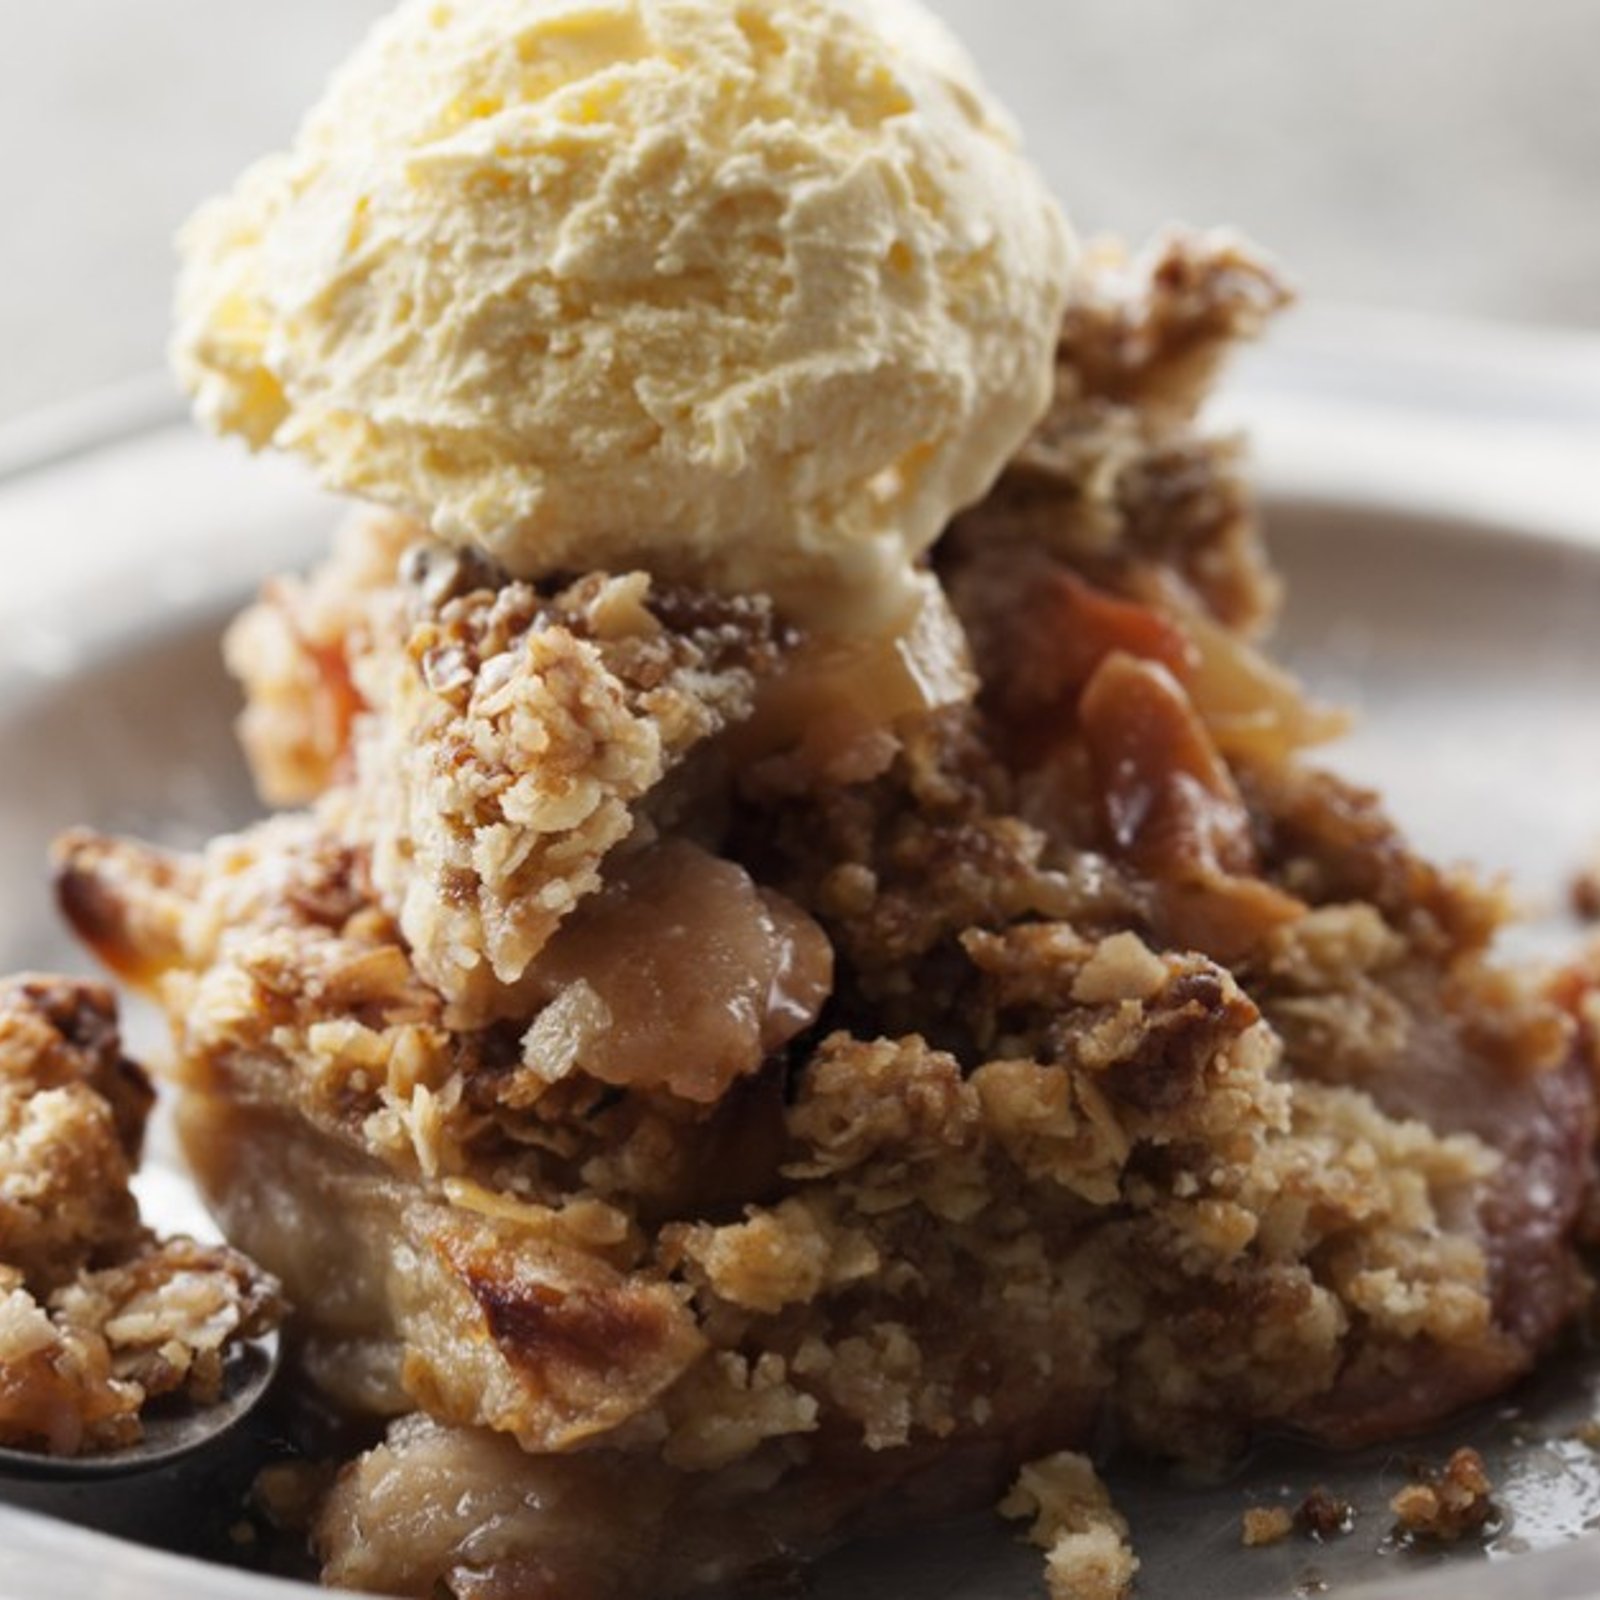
x=173, y=1432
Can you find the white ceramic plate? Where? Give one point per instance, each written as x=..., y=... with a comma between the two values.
x=1432, y=499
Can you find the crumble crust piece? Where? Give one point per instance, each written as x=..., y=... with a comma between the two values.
x=1323, y=1515
x=499, y=738
x=1084, y=1538
x=97, y=1315
x=666, y=1059
x=1264, y=1525
x=1448, y=1505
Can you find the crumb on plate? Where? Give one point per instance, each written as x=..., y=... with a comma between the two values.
x=1265, y=1525
x=1084, y=1537
x=1447, y=1505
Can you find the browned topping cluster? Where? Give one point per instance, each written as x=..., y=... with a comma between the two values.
x=1323, y=1515
x=1264, y=1525
x=1453, y=1503
x=97, y=1315
x=1320, y=1516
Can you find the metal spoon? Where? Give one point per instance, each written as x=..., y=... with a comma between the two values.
x=171, y=1434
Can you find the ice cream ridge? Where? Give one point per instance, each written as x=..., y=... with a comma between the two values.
x=750, y=295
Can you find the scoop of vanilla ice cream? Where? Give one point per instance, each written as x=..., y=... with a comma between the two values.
x=757, y=293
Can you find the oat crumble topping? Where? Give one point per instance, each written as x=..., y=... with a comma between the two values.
x=1448, y=1505
x=97, y=1315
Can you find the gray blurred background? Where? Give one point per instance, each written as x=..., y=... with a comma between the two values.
x=1436, y=155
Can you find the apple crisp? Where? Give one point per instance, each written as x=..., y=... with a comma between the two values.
x=812, y=1086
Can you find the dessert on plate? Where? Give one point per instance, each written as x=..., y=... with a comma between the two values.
x=805, y=967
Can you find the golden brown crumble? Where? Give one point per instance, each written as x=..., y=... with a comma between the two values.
x=1084, y=1538
x=293, y=652
x=1321, y=1515
x=97, y=1316
x=500, y=738
x=1447, y=1505
x=72, y=1115
x=1118, y=479
x=1264, y=1525
x=678, y=1055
